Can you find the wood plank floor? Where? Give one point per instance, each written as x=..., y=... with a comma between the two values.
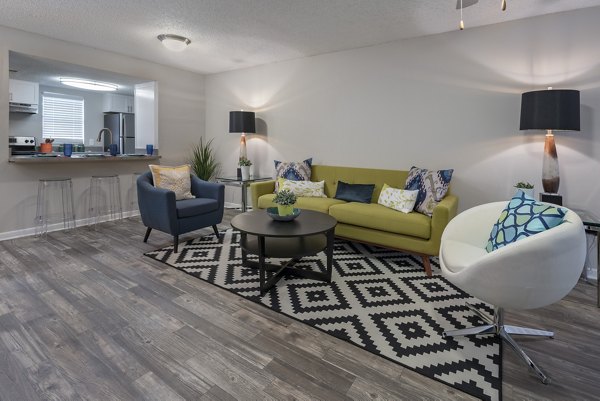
x=85, y=316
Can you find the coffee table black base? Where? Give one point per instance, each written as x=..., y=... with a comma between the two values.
x=286, y=247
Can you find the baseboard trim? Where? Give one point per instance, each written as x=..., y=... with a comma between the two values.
x=26, y=232
x=231, y=205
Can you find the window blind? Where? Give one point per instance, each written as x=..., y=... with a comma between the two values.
x=62, y=117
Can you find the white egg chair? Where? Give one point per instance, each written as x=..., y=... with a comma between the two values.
x=530, y=273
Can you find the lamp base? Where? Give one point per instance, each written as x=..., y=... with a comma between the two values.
x=551, y=198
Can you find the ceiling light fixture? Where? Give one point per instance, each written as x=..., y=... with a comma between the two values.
x=174, y=42
x=469, y=3
x=89, y=84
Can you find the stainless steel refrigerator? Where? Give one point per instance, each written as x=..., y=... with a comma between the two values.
x=122, y=126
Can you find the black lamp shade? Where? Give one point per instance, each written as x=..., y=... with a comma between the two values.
x=550, y=110
x=242, y=121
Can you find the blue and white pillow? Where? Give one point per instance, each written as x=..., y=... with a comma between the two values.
x=294, y=171
x=432, y=187
x=522, y=218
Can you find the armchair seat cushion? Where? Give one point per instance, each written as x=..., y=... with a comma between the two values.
x=194, y=207
x=460, y=255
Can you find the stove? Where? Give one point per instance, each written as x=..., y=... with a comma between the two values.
x=22, y=145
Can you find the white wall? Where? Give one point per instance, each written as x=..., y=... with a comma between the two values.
x=444, y=101
x=180, y=123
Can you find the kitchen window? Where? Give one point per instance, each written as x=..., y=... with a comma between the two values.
x=62, y=117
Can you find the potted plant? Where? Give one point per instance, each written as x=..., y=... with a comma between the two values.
x=526, y=187
x=46, y=146
x=203, y=161
x=245, y=167
x=285, y=201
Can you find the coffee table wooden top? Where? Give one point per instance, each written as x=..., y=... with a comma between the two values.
x=258, y=222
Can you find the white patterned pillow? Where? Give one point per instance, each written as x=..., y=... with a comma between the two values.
x=295, y=171
x=401, y=200
x=176, y=179
x=432, y=186
x=307, y=189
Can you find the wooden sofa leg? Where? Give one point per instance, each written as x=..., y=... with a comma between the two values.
x=216, y=231
x=175, y=243
x=426, y=264
x=147, y=234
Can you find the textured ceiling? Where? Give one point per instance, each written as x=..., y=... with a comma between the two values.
x=232, y=34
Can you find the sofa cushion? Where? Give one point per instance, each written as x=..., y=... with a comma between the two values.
x=354, y=192
x=295, y=171
x=194, y=207
x=176, y=179
x=317, y=204
x=521, y=218
x=432, y=187
x=401, y=200
x=308, y=189
x=377, y=217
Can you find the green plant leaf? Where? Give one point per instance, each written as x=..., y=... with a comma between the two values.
x=203, y=161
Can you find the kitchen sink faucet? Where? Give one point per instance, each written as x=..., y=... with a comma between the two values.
x=104, y=130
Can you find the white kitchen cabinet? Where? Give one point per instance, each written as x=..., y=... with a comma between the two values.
x=118, y=103
x=24, y=92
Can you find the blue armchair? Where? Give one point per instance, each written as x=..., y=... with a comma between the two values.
x=160, y=210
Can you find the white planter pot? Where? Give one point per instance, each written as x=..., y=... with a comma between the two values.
x=528, y=191
x=245, y=172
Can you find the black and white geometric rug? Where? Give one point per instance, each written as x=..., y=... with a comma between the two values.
x=379, y=300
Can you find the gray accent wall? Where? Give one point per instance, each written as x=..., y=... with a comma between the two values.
x=443, y=101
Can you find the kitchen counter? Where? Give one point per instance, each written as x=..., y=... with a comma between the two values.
x=80, y=158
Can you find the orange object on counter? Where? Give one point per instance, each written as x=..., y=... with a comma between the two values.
x=45, y=147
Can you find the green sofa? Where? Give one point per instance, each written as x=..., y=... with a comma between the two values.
x=371, y=223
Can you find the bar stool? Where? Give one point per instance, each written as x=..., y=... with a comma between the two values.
x=54, y=204
x=105, y=198
x=133, y=201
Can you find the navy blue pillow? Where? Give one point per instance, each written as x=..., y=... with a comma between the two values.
x=354, y=192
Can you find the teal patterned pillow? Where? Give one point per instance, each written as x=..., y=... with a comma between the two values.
x=522, y=218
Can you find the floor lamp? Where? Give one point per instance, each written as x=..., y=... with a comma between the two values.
x=242, y=122
x=550, y=110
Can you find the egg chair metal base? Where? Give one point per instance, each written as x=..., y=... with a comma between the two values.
x=495, y=326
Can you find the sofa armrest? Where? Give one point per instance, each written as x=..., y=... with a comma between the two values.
x=206, y=189
x=259, y=189
x=442, y=214
x=157, y=207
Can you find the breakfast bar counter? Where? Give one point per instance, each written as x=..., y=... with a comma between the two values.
x=81, y=158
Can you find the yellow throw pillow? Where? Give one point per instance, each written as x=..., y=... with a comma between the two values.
x=176, y=179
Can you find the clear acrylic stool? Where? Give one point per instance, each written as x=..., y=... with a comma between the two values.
x=133, y=200
x=105, y=198
x=54, y=204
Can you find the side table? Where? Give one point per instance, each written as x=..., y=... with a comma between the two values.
x=238, y=182
x=592, y=225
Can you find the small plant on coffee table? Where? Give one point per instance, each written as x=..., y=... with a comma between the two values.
x=285, y=201
x=285, y=198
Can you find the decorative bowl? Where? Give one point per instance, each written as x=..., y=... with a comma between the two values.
x=274, y=214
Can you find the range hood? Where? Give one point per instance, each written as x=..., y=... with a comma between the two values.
x=23, y=108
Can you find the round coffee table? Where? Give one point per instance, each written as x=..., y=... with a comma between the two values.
x=310, y=233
